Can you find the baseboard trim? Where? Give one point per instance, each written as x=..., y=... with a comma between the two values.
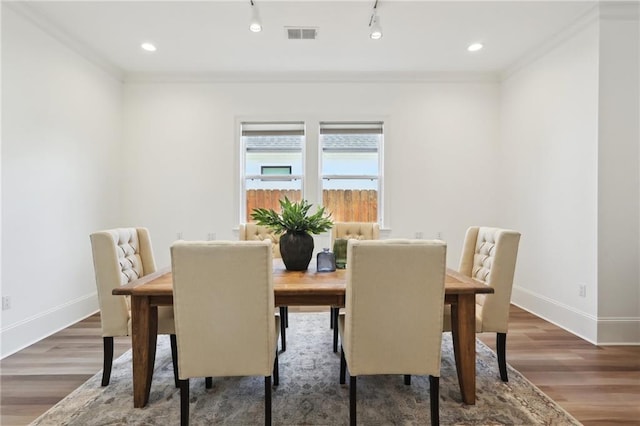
x=564, y=316
x=601, y=331
x=28, y=331
x=619, y=331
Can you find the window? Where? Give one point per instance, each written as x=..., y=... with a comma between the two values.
x=343, y=171
x=275, y=170
x=266, y=147
x=351, y=164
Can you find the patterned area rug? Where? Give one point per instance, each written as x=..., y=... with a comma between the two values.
x=309, y=392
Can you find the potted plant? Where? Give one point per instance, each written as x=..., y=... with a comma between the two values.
x=296, y=244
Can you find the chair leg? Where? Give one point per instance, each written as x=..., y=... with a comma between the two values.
x=208, y=382
x=283, y=328
x=107, y=361
x=276, y=371
x=343, y=366
x=501, y=346
x=352, y=400
x=267, y=400
x=407, y=379
x=174, y=358
x=286, y=316
x=184, y=402
x=434, y=391
x=334, y=313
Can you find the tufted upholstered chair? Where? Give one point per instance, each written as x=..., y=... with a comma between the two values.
x=489, y=255
x=224, y=307
x=350, y=231
x=119, y=257
x=355, y=230
x=407, y=278
x=252, y=232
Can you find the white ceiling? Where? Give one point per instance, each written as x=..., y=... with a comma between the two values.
x=213, y=36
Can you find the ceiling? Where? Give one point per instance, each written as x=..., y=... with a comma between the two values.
x=213, y=36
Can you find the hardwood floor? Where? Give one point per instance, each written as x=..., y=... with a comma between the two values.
x=597, y=385
x=36, y=378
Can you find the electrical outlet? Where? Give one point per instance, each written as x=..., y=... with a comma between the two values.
x=6, y=303
x=418, y=235
x=439, y=235
x=582, y=290
x=179, y=235
x=211, y=236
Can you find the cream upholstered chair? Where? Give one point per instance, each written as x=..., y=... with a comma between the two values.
x=489, y=255
x=407, y=278
x=350, y=231
x=119, y=257
x=253, y=232
x=355, y=231
x=224, y=307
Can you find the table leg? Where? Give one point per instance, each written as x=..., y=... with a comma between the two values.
x=144, y=333
x=463, y=328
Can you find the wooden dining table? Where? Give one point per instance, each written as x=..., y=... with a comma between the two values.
x=295, y=288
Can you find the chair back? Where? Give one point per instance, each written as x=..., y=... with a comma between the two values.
x=489, y=255
x=355, y=231
x=252, y=232
x=119, y=256
x=394, y=306
x=223, y=304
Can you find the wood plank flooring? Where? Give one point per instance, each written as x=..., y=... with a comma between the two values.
x=597, y=385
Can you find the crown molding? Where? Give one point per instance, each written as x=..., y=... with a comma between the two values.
x=29, y=12
x=620, y=10
x=588, y=18
x=604, y=10
x=314, y=77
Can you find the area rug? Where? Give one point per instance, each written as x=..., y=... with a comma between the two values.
x=309, y=392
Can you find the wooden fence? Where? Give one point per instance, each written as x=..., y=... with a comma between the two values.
x=345, y=205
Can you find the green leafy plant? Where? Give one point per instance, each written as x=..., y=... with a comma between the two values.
x=294, y=217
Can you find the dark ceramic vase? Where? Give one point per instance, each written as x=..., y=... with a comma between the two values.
x=296, y=249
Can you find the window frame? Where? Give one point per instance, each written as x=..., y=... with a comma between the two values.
x=311, y=186
x=243, y=177
x=379, y=150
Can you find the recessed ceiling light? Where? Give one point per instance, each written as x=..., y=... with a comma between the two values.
x=475, y=47
x=148, y=47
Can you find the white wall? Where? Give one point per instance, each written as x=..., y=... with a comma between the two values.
x=549, y=122
x=61, y=152
x=618, y=181
x=182, y=152
x=570, y=135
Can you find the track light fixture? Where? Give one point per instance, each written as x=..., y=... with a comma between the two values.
x=255, y=25
x=374, y=23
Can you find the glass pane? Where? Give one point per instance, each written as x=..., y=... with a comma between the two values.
x=350, y=163
x=350, y=154
x=369, y=184
x=270, y=198
x=273, y=151
x=273, y=163
x=351, y=205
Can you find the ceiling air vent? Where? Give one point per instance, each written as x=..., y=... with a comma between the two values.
x=301, y=33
